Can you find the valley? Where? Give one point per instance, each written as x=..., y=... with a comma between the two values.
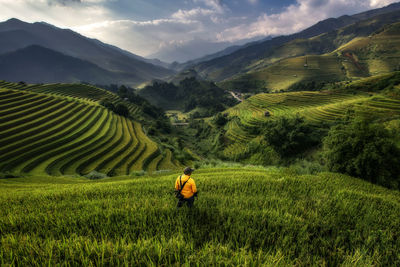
x=294, y=139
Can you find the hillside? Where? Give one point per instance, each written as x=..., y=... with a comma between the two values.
x=251, y=216
x=17, y=34
x=270, y=51
x=238, y=133
x=368, y=54
x=186, y=93
x=59, y=129
x=36, y=64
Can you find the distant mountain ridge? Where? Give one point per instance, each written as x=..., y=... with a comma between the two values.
x=16, y=34
x=227, y=66
x=229, y=50
x=36, y=64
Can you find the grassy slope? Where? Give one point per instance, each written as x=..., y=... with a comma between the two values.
x=243, y=216
x=360, y=57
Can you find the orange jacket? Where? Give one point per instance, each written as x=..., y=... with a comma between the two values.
x=190, y=187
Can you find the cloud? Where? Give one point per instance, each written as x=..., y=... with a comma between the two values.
x=297, y=17
x=214, y=4
x=181, y=23
x=253, y=2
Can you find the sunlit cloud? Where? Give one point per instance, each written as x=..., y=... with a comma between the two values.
x=185, y=23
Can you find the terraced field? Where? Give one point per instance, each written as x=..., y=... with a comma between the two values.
x=317, y=107
x=77, y=92
x=62, y=130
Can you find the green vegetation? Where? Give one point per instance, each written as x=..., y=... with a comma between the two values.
x=363, y=149
x=360, y=50
x=290, y=137
x=310, y=106
x=61, y=129
x=288, y=128
x=243, y=216
x=188, y=95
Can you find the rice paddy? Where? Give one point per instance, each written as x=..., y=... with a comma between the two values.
x=61, y=129
x=317, y=107
x=243, y=216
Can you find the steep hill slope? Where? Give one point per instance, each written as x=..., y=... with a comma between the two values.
x=243, y=216
x=359, y=50
x=17, y=34
x=225, y=67
x=61, y=129
x=36, y=64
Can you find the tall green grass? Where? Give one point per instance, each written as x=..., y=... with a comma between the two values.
x=243, y=216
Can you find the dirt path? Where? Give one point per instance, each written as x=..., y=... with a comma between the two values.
x=235, y=96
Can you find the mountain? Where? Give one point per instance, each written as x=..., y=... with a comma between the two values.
x=36, y=64
x=227, y=66
x=365, y=48
x=229, y=50
x=16, y=34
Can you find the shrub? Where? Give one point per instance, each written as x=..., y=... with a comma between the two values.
x=220, y=120
x=303, y=166
x=122, y=110
x=94, y=175
x=365, y=150
x=107, y=104
x=137, y=173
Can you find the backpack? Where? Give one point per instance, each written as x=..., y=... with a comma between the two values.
x=178, y=194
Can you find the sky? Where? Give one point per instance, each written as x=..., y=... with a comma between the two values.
x=163, y=28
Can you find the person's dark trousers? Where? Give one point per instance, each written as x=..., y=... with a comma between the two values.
x=189, y=202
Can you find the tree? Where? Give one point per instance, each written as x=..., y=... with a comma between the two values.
x=123, y=91
x=220, y=120
x=291, y=136
x=122, y=110
x=108, y=104
x=365, y=150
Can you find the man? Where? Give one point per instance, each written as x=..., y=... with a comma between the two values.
x=186, y=184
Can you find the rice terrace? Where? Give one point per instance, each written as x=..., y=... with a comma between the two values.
x=200, y=133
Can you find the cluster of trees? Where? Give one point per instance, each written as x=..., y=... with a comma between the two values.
x=387, y=83
x=364, y=149
x=247, y=84
x=119, y=108
x=147, y=108
x=191, y=94
x=307, y=86
x=357, y=146
x=290, y=137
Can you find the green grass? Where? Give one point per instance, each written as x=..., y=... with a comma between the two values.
x=243, y=216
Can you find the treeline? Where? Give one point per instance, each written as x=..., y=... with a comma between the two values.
x=385, y=83
x=246, y=84
x=190, y=94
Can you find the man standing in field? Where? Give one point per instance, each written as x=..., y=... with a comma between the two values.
x=187, y=188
